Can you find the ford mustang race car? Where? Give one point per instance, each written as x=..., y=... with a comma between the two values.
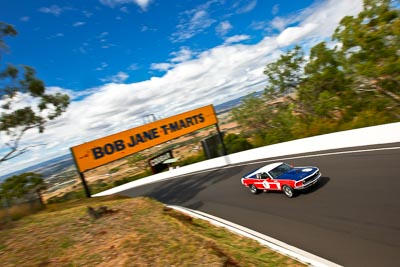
x=281, y=177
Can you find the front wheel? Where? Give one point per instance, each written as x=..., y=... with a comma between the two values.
x=289, y=192
x=253, y=189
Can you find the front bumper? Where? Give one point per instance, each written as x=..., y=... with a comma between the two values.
x=310, y=182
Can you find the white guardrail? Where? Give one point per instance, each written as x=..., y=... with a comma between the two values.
x=374, y=135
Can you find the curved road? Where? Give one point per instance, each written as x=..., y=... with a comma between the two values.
x=352, y=216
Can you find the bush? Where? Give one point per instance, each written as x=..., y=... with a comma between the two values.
x=19, y=210
x=236, y=143
x=368, y=118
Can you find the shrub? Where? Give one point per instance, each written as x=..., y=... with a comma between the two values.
x=236, y=143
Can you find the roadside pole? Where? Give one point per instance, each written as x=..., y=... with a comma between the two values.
x=85, y=186
x=221, y=140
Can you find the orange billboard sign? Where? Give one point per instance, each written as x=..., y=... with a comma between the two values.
x=110, y=148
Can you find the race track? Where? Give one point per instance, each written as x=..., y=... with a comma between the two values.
x=352, y=216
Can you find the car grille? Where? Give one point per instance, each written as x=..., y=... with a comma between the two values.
x=311, y=178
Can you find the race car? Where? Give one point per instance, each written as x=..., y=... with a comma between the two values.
x=281, y=177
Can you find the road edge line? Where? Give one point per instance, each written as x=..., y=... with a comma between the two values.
x=274, y=244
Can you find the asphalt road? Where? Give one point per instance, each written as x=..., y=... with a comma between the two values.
x=351, y=217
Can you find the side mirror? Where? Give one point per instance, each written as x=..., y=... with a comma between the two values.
x=258, y=175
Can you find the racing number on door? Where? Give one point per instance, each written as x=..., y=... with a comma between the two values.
x=271, y=185
x=266, y=184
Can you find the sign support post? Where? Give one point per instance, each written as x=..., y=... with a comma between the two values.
x=85, y=186
x=221, y=139
x=82, y=176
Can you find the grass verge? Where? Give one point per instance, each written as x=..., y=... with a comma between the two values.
x=138, y=232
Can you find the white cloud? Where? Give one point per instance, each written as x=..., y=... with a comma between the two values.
x=193, y=22
x=74, y=95
x=161, y=66
x=57, y=35
x=237, y=39
x=259, y=25
x=102, y=35
x=214, y=76
x=320, y=14
x=323, y=14
x=247, y=8
x=275, y=9
x=183, y=54
x=78, y=24
x=54, y=10
x=120, y=77
x=124, y=9
x=25, y=19
x=294, y=34
x=143, y=4
x=280, y=23
x=103, y=65
x=223, y=28
x=133, y=66
x=87, y=13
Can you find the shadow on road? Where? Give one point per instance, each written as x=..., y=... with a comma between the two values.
x=321, y=183
x=181, y=190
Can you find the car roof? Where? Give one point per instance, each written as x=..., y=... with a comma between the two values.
x=265, y=168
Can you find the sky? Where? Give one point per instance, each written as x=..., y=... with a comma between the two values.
x=120, y=60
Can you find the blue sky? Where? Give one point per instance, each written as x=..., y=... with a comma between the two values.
x=122, y=59
x=82, y=44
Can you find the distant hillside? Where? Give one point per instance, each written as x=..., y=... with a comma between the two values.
x=227, y=106
x=46, y=168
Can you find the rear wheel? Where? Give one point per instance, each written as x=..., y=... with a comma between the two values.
x=253, y=189
x=289, y=192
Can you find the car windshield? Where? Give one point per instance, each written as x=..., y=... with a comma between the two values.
x=281, y=169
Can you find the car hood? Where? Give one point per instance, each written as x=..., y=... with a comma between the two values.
x=297, y=174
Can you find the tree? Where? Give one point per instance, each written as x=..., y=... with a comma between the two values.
x=16, y=118
x=252, y=114
x=271, y=116
x=19, y=186
x=236, y=143
x=285, y=74
x=370, y=48
x=325, y=80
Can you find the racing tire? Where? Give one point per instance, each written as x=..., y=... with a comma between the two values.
x=288, y=191
x=254, y=189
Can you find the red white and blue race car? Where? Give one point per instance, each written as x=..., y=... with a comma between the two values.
x=281, y=177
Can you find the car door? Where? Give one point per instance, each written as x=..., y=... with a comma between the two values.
x=270, y=183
